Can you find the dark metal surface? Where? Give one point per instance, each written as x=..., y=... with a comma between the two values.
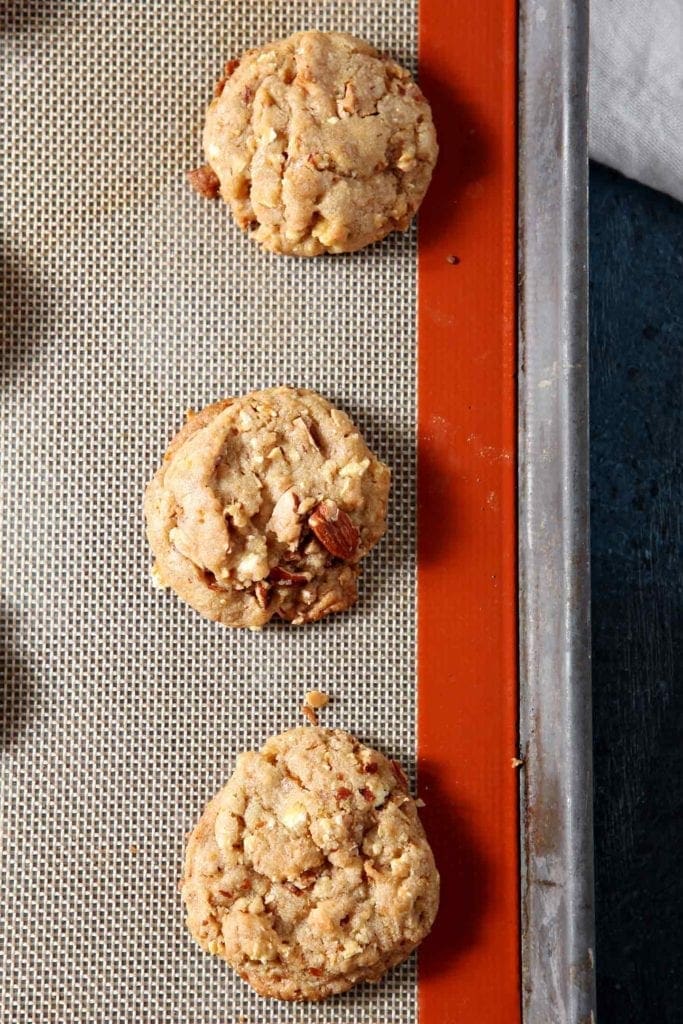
x=555, y=708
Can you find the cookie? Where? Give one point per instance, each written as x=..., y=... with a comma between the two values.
x=319, y=144
x=310, y=870
x=265, y=505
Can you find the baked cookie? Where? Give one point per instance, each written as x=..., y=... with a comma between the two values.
x=264, y=505
x=310, y=870
x=319, y=144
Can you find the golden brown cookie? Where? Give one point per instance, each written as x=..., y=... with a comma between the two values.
x=319, y=144
x=310, y=870
x=265, y=505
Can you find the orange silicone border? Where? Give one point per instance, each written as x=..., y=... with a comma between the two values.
x=469, y=970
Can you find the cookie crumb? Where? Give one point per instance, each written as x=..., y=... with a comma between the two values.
x=310, y=714
x=157, y=579
x=420, y=802
x=517, y=762
x=317, y=699
x=228, y=71
x=204, y=182
x=133, y=849
x=453, y=260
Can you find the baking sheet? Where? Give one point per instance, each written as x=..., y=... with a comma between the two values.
x=126, y=300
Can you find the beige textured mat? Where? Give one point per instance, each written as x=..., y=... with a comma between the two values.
x=126, y=299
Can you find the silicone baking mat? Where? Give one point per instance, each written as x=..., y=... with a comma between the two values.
x=127, y=300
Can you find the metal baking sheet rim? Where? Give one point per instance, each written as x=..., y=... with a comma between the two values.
x=553, y=548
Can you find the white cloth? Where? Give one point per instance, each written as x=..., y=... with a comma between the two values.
x=636, y=90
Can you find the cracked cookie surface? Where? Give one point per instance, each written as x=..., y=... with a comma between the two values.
x=264, y=506
x=320, y=144
x=310, y=870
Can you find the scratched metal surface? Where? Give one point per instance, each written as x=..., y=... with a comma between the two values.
x=554, y=588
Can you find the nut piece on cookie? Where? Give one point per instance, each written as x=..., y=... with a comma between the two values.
x=264, y=506
x=310, y=870
x=320, y=144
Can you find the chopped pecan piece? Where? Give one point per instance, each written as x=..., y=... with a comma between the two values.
x=210, y=580
x=310, y=714
x=285, y=578
x=204, y=181
x=228, y=71
x=399, y=774
x=334, y=530
x=290, y=887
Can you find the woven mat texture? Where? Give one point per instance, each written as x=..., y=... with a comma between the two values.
x=126, y=300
